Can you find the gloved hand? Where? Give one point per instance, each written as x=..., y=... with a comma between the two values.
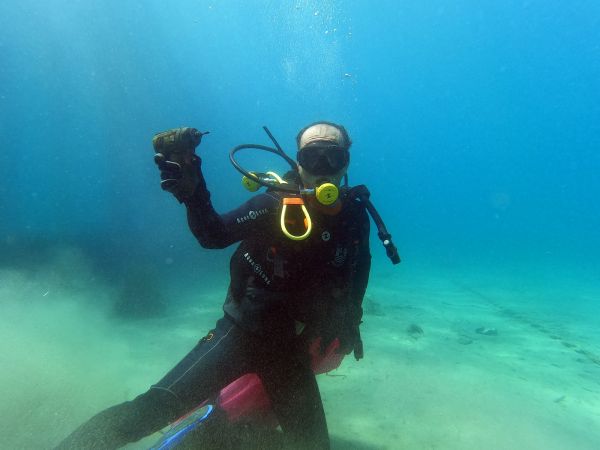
x=349, y=337
x=359, y=351
x=351, y=342
x=179, y=181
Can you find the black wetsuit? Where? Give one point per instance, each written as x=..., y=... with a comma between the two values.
x=282, y=294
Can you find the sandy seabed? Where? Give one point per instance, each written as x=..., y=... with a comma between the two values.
x=429, y=380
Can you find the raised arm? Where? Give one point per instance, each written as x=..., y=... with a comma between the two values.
x=181, y=175
x=219, y=231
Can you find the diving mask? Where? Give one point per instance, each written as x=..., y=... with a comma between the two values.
x=323, y=159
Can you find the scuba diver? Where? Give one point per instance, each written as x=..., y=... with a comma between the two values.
x=298, y=278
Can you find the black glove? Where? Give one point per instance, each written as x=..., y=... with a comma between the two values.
x=359, y=351
x=350, y=341
x=349, y=337
x=179, y=181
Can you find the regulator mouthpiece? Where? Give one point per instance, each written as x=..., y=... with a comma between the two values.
x=327, y=193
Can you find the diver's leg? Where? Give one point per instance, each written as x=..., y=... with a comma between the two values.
x=219, y=358
x=294, y=393
x=222, y=356
x=126, y=422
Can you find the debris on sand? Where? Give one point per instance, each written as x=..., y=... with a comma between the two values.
x=487, y=331
x=414, y=331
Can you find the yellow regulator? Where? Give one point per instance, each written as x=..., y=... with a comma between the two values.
x=327, y=193
x=250, y=184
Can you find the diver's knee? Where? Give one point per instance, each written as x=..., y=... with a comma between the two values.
x=126, y=422
x=161, y=401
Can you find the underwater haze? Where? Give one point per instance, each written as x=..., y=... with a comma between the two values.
x=475, y=125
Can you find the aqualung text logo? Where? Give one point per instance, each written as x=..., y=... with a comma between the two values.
x=257, y=268
x=252, y=215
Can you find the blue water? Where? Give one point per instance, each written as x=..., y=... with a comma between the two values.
x=476, y=126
